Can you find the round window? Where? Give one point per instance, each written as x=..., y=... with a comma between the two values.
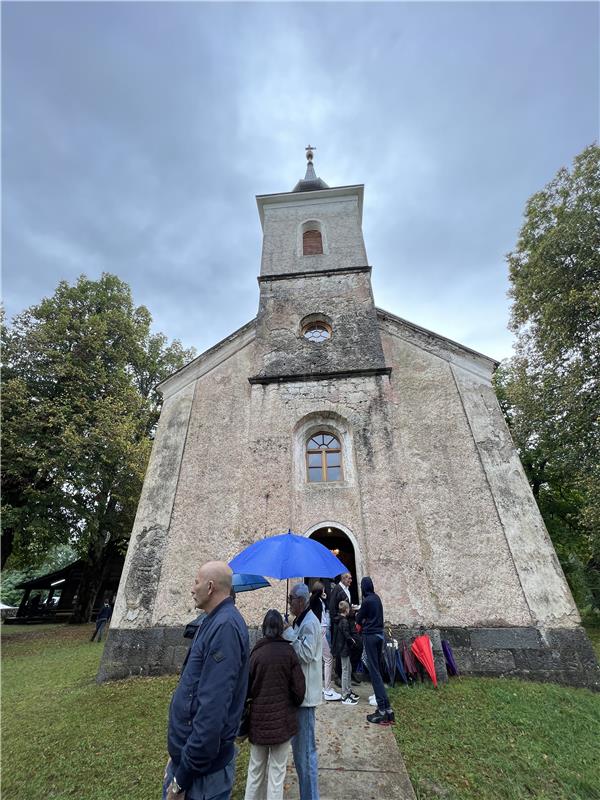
x=317, y=331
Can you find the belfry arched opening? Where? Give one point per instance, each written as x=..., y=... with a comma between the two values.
x=341, y=546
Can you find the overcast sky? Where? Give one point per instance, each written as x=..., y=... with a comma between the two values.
x=136, y=136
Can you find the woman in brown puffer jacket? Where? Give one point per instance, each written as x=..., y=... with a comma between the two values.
x=276, y=688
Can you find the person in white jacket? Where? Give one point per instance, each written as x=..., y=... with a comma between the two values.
x=305, y=637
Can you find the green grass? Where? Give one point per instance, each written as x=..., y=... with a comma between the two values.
x=64, y=737
x=488, y=739
x=34, y=630
x=473, y=739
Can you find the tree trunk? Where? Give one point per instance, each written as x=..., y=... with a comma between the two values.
x=94, y=573
x=8, y=536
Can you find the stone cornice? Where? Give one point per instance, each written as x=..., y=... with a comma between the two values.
x=282, y=276
x=320, y=376
x=310, y=198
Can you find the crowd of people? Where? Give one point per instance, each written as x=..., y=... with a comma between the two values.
x=273, y=690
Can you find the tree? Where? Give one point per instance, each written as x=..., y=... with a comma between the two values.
x=550, y=389
x=79, y=412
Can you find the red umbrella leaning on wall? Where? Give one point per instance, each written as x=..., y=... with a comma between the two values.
x=423, y=650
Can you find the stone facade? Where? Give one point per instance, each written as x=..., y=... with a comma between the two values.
x=433, y=499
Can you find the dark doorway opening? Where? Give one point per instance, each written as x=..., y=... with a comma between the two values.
x=338, y=542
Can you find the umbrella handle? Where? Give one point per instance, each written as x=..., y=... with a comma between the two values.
x=287, y=597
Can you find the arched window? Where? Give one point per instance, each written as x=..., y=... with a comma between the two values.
x=324, y=458
x=312, y=243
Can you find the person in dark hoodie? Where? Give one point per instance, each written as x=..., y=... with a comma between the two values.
x=276, y=688
x=370, y=618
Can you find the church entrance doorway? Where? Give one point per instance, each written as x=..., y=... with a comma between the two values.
x=339, y=543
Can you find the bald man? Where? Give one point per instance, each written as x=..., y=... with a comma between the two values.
x=207, y=704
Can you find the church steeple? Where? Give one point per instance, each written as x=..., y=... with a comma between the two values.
x=315, y=279
x=310, y=183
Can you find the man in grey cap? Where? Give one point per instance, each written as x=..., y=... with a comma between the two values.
x=305, y=637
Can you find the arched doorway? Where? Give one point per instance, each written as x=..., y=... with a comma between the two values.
x=340, y=544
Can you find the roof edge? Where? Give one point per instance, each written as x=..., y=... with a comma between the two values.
x=208, y=358
x=492, y=363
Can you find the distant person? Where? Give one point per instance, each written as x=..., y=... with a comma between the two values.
x=207, y=704
x=341, y=646
x=305, y=636
x=102, y=619
x=320, y=607
x=370, y=617
x=35, y=603
x=341, y=591
x=276, y=688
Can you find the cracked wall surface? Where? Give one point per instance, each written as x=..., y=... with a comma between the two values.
x=432, y=494
x=345, y=300
x=142, y=569
x=427, y=510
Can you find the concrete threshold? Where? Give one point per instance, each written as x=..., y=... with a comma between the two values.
x=356, y=758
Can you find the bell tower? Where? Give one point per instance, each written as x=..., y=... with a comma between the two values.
x=316, y=317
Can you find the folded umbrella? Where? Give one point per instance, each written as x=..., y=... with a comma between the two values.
x=242, y=582
x=423, y=650
x=451, y=667
x=400, y=669
x=389, y=659
x=287, y=556
x=410, y=663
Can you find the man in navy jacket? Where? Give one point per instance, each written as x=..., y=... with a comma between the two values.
x=207, y=704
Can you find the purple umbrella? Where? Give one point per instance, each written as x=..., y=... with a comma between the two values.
x=451, y=667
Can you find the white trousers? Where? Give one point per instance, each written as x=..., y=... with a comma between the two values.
x=327, y=662
x=266, y=771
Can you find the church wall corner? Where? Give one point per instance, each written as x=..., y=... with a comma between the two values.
x=541, y=577
x=142, y=569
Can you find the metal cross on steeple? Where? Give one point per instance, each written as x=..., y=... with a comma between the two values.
x=310, y=181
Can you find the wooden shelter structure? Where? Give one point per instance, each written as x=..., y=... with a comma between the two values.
x=51, y=597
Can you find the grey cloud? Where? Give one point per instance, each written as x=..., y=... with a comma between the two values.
x=135, y=137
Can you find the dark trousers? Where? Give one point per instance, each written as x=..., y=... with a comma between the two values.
x=374, y=648
x=99, y=628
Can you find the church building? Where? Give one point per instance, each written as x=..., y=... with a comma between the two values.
x=341, y=421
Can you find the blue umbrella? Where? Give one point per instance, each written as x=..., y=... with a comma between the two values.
x=242, y=582
x=287, y=556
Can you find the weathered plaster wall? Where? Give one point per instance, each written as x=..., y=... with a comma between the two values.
x=444, y=525
x=415, y=493
x=341, y=231
x=427, y=511
x=540, y=574
x=142, y=569
x=345, y=300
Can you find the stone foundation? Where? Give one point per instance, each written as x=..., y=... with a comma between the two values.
x=146, y=651
x=556, y=655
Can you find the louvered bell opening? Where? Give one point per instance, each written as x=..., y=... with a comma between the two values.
x=312, y=243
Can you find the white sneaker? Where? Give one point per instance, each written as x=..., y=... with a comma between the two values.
x=372, y=700
x=331, y=695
